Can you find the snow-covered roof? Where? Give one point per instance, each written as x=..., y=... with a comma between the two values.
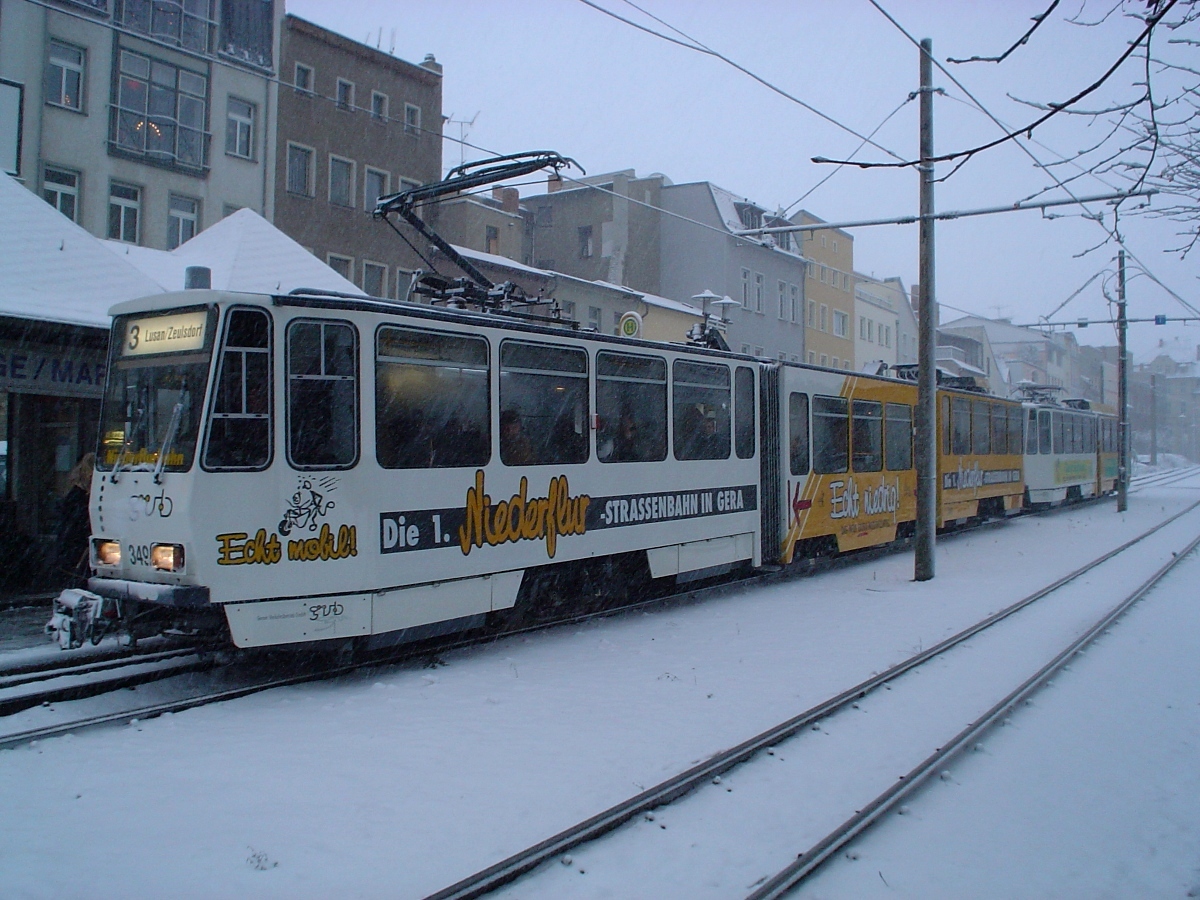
x=245, y=253
x=52, y=270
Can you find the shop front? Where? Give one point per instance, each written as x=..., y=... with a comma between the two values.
x=51, y=384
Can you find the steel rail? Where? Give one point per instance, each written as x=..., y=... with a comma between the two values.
x=15, y=703
x=61, y=668
x=811, y=859
x=504, y=872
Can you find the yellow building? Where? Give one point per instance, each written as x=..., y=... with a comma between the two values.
x=829, y=294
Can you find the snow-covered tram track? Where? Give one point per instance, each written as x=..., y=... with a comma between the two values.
x=648, y=815
x=36, y=686
x=810, y=860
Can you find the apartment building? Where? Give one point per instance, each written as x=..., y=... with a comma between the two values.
x=829, y=294
x=886, y=328
x=143, y=122
x=355, y=124
x=677, y=241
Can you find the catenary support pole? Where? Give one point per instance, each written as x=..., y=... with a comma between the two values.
x=1153, y=419
x=1122, y=390
x=926, y=418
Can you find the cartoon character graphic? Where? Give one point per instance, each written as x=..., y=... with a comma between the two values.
x=308, y=505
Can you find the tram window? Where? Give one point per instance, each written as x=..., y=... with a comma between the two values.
x=1071, y=435
x=980, y=422
x=867, y=436
x=798, y=434
x=961, y=444
x=1089, y=435
x=946, y=427
x=543, y=404
x=831, y=435
x=743, y=412
x=1015, y=436
x=322, y=367
x=239, y=427
x=1045, y=429
x=897, y=427
x=1031, y=432
x=631, y=401
x=999, y=428
x=700, y=409
x=431, y=400
x=1058, y=431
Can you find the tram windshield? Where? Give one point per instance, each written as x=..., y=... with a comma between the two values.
x=155, y=390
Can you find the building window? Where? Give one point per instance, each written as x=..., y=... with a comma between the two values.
x=812, y=358
x=412, y=119
x=379, y=106
x=299, y=170
x=585, y=241
x=824, y=360
x=183, y=216
x=341, y=181
x=124, y=208
x=812, y=313
x=808, y=269
x=835, y=364
x=783, y=304
x=345, y=95
x=64, y=76
x=375, y=185
x=841, y=323
x=491, y=236
x=885, y=335
x=374, y=279
x=60, y=187
x=745, y=288
x=160, y=111
x=594, y=318
x=304, y=79
x=824, y=317
x=568, y=309
x=824, y=274
x=185, y=23
x=796, y=314
x=834, y=246
x=407, y=184
x=759, y=290
x=343, y=265
x=239, y=128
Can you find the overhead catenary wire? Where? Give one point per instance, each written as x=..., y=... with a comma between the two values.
x=692, y=44
x=1114, y=233
x=1011, y=135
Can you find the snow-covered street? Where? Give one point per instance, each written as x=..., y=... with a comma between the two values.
x=400, y=781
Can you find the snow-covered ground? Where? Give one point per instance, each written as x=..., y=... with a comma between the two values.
x=397, y=782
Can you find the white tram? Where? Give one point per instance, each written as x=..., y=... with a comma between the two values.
x=323, y=468
x=1069, y=450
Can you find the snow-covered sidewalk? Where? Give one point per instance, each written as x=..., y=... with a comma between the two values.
x=398, y=782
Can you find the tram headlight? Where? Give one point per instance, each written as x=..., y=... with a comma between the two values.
x=108, y=553
x=167, y=557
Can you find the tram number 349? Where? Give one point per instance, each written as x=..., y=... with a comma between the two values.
x=139, y=555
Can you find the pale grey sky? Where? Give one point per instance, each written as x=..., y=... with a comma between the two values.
x=557, y=74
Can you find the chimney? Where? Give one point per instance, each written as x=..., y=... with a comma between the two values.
x=510, y=200
x=553, y=183
x=431, y=63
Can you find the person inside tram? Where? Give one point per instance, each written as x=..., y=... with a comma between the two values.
x=515, y=447
x=626, y=447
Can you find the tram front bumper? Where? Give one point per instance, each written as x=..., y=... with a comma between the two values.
x=177, y=596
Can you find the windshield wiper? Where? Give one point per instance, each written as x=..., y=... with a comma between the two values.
x=169, y=438
x=125, y=444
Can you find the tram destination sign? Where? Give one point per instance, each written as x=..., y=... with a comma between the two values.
x=164, y=334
